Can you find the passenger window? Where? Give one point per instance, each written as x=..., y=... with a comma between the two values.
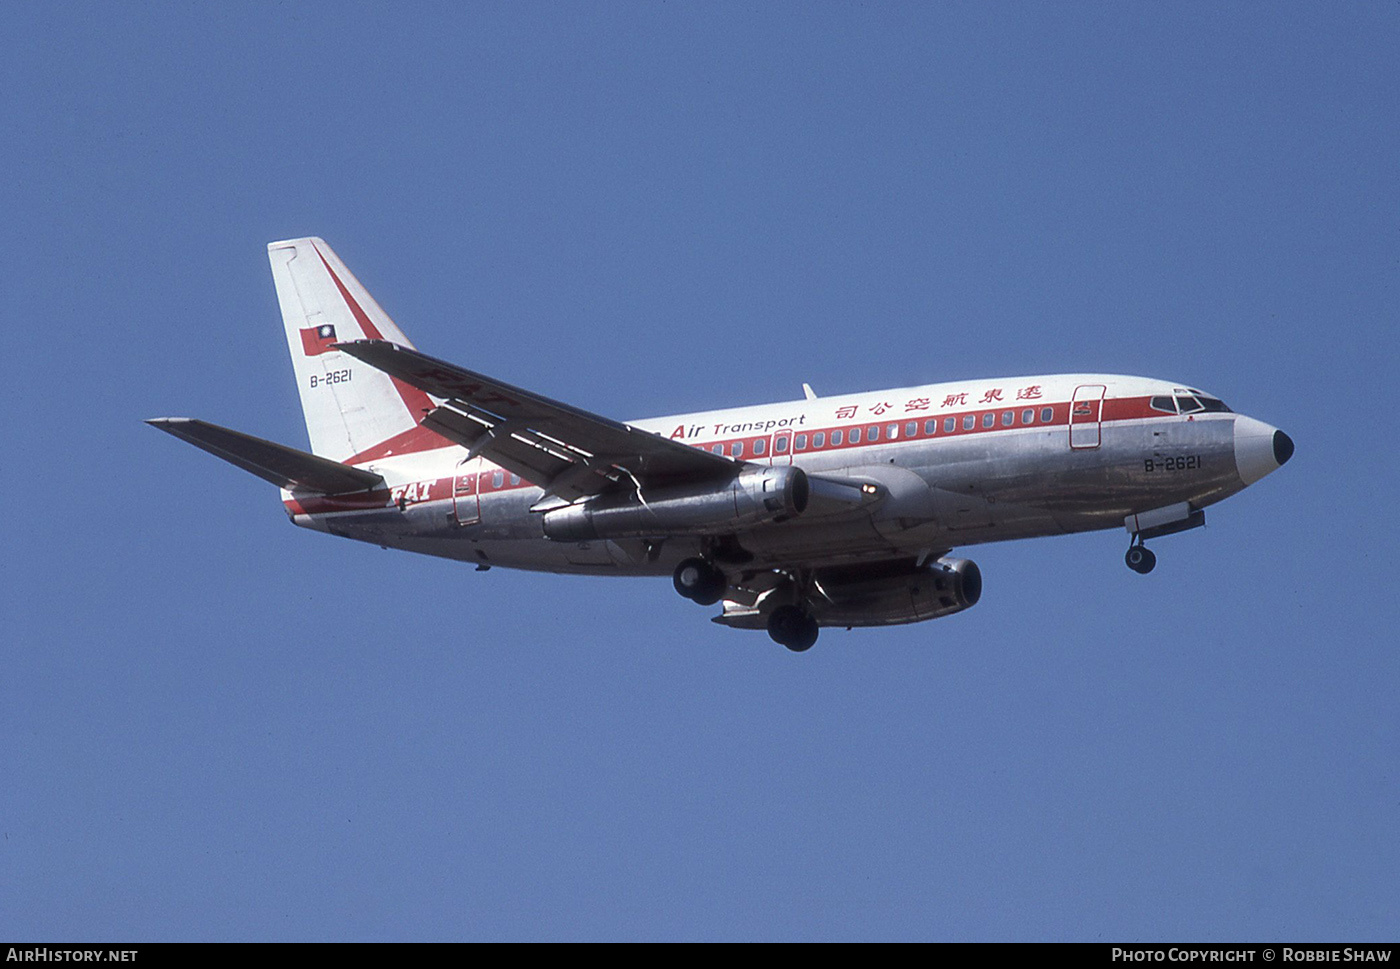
x=872, y=434
x=1028, y=416
x=498, y=479
x=515, y=479
x=1008, y=417
x=781, y=444
x=819, y=439
x=835, y=438
x=912, y=429
x=718, y=449
x=855, y=435
x=1047, y=414
x=931, y=427
x=737, y=449
x=801, y=443
x=760, y=446
x=950, y=424
x=892, y=431
x=969, y=422
x=988, y=419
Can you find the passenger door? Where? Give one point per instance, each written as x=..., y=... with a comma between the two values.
x=1085, y=416
x=466, y=496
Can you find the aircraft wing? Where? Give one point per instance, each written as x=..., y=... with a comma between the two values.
x=569, y=452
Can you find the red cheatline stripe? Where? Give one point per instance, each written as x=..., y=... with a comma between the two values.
x=441, y=489
x=1113, y=409
x=322, y=504
x=420, y=438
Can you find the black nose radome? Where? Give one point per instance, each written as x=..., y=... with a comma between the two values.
x=1283, y=448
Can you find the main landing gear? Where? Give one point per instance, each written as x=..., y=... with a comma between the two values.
x=1140, y=558
x=700, y=581
x=788, y=625
x=793, y=627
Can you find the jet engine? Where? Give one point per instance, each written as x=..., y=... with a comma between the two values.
x=756, y=496
x=949, y=585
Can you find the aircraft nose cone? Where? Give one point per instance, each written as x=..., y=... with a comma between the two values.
x=1259, y=449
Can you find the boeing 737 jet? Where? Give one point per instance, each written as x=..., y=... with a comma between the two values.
x=825, y=511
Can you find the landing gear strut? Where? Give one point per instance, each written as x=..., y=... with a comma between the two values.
x=793, y=627
x=1140, y=558
x=700, y=581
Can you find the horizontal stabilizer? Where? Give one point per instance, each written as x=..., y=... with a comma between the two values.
x=284, y=466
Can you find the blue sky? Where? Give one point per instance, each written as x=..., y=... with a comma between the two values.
x=216, y=726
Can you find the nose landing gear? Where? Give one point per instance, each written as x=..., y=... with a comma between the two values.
x=1140, y=558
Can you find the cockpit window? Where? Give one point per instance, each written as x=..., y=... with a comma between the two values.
x=1164, y=404
x=1190, y=401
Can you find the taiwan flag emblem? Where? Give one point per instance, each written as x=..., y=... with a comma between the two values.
x=318, y=339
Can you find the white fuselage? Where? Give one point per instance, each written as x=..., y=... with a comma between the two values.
x=955, y=464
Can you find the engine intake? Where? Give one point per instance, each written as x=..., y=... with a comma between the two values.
x=756, y=496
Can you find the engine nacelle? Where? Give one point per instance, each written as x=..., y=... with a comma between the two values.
x=756, y=496
x=949, y=585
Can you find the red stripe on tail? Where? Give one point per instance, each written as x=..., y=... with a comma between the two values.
x=415, y=400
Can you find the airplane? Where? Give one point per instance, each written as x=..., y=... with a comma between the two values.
x=824, y=511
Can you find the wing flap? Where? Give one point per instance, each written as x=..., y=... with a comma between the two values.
x=568, y=451
x=566, y=471
x=284, y=466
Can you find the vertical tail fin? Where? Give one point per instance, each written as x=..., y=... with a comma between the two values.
x=350, y=408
